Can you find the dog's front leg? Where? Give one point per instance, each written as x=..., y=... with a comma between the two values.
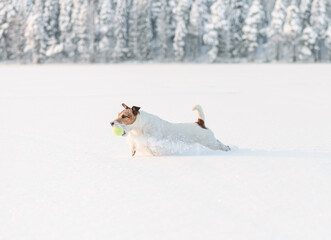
x=133, y=149
x=131, y=141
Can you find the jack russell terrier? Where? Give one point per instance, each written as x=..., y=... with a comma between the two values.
x=139, y=123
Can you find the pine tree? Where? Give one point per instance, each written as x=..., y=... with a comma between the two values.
x=120, y=31
x=197, y=23
x=20, y=18
x=218, y=30
x=182, y=15
x=3, y=30
x=179, y=40
x=67, y=46
x=156, y=8
x=145, y=31
x=292, y=29
x=11, y=36
x=288, y=3
x=275, y=30
x=254, y=30
x=51, y=25
x=238, y=14
x=163, y=28
x=81, y=26
x=307, y=45
x=140, y=30
x=133, y=29
x=319, y=23
x=106, y=31
x=173, y=17
x=305, y=8
x=328, y=41
x=92, y=10
x=11, y=25
x=35, y=34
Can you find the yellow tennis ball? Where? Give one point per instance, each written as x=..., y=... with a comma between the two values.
x=118, y=131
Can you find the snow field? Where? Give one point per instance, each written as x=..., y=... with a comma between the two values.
x=65, y=175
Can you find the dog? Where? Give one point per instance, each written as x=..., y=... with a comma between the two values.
x=139, y=123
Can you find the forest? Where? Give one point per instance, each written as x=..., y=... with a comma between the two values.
x=197, y=31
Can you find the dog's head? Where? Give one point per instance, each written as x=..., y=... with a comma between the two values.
x=127, y=117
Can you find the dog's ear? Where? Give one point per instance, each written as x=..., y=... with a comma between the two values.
x=135, y=110
x=126, y=107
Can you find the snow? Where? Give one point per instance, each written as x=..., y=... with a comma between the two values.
x=65, y=175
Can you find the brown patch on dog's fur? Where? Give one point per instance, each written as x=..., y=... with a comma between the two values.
x=128, y=116
x=124, y=105
x=201, y=123
x=135, y=110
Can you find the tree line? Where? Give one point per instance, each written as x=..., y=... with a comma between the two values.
x=102, y=31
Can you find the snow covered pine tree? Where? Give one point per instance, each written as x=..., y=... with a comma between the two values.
x=80, y=18
x=66, y=47
x=181, y=15
x=106, y=31
x=275, y=31
x=120, y=31
x=319, y=23
x=35, y=34
x=218, y=30
x=51, y=27
x=238, y=14
x=102, y=31
x=197, y=25
x=254, y=30
x=292, y=29
x=328, y=41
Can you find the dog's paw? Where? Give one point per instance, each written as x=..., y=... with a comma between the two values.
x=133, y=153
x=233, y=148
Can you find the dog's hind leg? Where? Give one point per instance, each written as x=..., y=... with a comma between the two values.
x=222, y=146
x=216, y=145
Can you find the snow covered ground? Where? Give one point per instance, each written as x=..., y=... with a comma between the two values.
x=64, y=175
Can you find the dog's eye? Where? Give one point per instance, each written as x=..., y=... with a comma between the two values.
x=123, y=116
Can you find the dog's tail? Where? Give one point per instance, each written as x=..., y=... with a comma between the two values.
x=201, y=116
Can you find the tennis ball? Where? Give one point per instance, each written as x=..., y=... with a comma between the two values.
x=118, y=131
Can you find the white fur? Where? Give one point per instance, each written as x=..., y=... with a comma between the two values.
x=149, y=125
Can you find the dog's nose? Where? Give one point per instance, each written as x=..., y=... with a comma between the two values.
x=112, y=123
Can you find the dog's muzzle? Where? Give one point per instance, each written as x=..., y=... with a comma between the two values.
x=113, y=124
